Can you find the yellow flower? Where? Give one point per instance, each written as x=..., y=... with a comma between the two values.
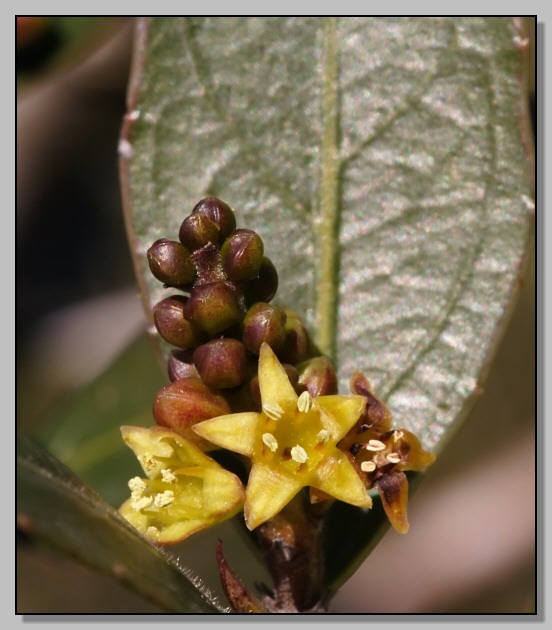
x=291, y=443
x=184, y=492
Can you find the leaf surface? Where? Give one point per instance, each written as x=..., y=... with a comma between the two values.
x=384, y=162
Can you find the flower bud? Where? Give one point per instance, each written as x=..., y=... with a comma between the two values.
x=264, y=323
x=219, y=212
x=180, y=364
x=263, y=287
x=172, y=324
x=221, y=363
x=171, y=263
x=197, y=230
x=318, y=376
x=179, y=405
x=242, y=253
x=295, y=345
x=213, y=307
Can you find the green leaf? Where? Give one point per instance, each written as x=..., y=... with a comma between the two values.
x=55, y=505
x=382, y=161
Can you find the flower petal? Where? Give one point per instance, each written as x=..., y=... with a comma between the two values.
x=274, y=381
x=268, y=491
x=393, y=490
x=337, y=477
x=340, y=413
x=236, y=432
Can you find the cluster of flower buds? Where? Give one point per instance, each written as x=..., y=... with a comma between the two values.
x=246, y=378
x=219, y=317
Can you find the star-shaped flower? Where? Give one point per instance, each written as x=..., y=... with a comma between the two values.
x=184, y=492
x=291, y=443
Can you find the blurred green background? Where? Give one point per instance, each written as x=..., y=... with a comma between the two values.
x=471, y=547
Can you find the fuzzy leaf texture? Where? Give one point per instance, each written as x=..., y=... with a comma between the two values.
x=384, y=162
x=55, y=505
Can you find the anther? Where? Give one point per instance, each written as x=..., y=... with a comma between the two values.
x=304, y=402
x=323, y=436
x=374, y=445
x=270, y=441
x=274, y=412
x=163, y=498
x=298, y=454
x=168, y=476
x=368, y=466
x=393, y=458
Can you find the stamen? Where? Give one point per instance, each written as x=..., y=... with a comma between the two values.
x=168, y=476
x=299, y=454
x=323, y=436
x=270, y=441
x=137, y=486
x=274, y=412
x=163, y=498
x=393, y=458
x=304, y=402
x=367, y=466
x=139, y=503
x=147, y=461
x=374, y=445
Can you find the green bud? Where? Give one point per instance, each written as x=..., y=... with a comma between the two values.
x=318, y=376
x=213, y=307
x=219, y=212
x=264, y=323
x=242, y=253
x=221, y=363
x=183, y=403
x=171, y=263
x=263, y=287
x=197, y=230
x=169, y=316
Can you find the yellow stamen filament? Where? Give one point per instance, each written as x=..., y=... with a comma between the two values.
x=374, y=445
x=298, y=454
x=393, y=458
x=163, y=498
x=368, y=466
x=274, y=412
x=304, y=402
x=270, y=441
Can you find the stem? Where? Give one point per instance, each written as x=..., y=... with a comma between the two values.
x=328, y=211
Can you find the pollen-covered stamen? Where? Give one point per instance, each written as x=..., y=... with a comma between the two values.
x=304, y=402
x=299, y=454
x=367, y=466
x=393, y=458
x=147, y=461
x=323, y=436
x=374, y=445
x=163, y=499
x=168, y=476
x=270, y=441
x=274, y=412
